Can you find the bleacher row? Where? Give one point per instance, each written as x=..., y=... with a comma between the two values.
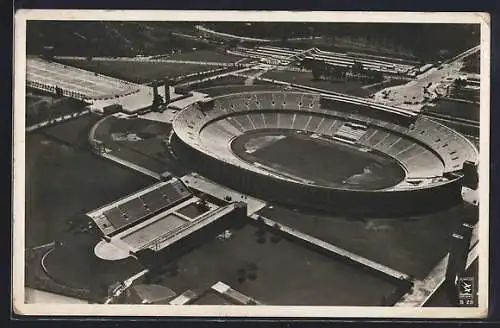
x=418, y=160
x=335, y=58
x=80, y=84
x=426, y=148
x=141, y=207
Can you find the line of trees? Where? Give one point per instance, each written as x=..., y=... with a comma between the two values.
x=323, y=71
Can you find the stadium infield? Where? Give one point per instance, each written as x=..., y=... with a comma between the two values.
x=275, y=270
x=324, y=162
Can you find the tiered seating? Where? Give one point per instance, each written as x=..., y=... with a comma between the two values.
x=293, y=110
x=419, y=161
x=387, y=142
x=299, y=121
x=174, y=191
x=334, y=127
x=258, y=120
x=271, y=119
x=115, y=217
x=143, y=206
x=229, y=128
x=453, y=149
x=373, y=137
x=313, y=123
x=236, y=124
x=153, y=200
x=350, y=132
x=423, y=164
x=285, y=120
x=134, y=209
x=245, y=122
x=399, y=147
x=324, y=125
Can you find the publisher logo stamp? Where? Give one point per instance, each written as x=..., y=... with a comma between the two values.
x=466, y=291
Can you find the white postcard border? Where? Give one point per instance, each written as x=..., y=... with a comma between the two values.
x=19, y=58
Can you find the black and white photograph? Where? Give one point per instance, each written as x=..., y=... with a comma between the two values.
x=282, y=164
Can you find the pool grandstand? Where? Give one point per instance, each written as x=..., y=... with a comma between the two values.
x=152, y=218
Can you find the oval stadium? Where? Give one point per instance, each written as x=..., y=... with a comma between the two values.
x=328, y=152
x=185, y=160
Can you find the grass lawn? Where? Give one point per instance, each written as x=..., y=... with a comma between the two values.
x=276, y=270
x=138, y=72
x=413, y=245
x=305, y=78
x=206, y=55
x=63, y=181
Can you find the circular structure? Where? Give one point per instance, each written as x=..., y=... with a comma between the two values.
x=334, y=153
x=110, y=252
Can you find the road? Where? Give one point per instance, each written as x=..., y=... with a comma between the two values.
x=415, y=94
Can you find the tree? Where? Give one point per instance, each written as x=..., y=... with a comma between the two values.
x=316, y=73
x=318, y=69
x=357, y=68
x=157, y=101
x=59, y=91
x=459, y=83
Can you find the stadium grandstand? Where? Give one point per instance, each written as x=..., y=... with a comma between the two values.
x=430, y=154
x=286, y=56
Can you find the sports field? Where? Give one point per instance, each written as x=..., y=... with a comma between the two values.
x=306, y=78
x=139, y=141
x=327, y=163
x=413, y=245
x=275, y=270
x=136, y=71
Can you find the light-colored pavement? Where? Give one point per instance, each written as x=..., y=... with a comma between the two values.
x=417, y=93
x=34, y=296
